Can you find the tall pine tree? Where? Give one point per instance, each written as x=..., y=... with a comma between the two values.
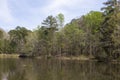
x=109, y=26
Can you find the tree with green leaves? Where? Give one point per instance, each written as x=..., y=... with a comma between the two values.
x=18, y=38
x=46, y=35
x=109, y=26
x=92, y=23
x=1, y=40
x=60, y=19
x=73, y=38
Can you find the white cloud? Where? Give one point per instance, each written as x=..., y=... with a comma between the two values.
x=70, y=8
x=60, y=4
x=24, y=13
x=56, y=5
x=5, y=14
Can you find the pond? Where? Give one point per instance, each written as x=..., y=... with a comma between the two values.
x=52, y=69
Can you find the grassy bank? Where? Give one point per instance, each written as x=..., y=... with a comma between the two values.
x=40, y=57
x=83, y=58
x=9, y=55
x=80, y=58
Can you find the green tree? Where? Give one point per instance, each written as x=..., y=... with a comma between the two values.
x=4, y=42
x=60, y=20
x=92, y=23
x=46, y=35
x=109, y=25
x=18, y=38
x=1, y=34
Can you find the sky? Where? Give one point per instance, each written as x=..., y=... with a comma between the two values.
x=30, y=13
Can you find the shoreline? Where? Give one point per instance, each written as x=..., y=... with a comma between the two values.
x=9, y=55
x=79, y=58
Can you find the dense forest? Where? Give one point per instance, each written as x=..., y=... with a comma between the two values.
x=94, y=34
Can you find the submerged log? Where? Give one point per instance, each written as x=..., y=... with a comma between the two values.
x=103, y=59
x=23, y=56
x=26, y=56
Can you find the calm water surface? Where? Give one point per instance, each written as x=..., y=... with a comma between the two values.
x=36, y=69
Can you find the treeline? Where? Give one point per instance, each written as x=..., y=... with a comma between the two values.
x=94, y=34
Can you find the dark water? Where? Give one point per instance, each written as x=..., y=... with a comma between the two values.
x=28, y=69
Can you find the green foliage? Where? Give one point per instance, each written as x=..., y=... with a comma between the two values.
x=60, y=19
x=18, y=38
x=109, y=26
x=93, y=21
x=1, y=34
x=94, y=34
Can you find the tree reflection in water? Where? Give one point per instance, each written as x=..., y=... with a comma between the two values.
x=38, y=69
